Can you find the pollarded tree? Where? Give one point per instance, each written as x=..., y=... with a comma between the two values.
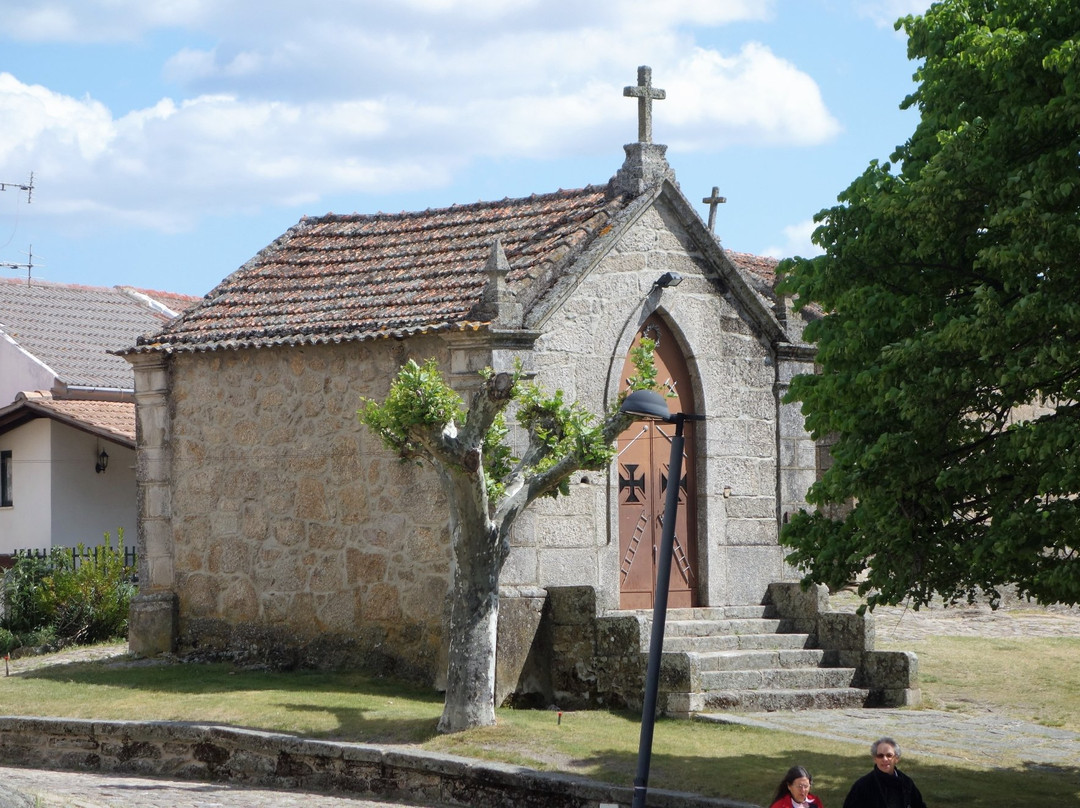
x=487, y=488
x=950, y=348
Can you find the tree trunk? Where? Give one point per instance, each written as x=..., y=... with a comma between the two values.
x=474, y=616
x=470, y=677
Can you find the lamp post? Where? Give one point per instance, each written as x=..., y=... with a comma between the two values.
x=650, y=405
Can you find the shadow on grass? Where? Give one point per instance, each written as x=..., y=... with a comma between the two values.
x=363, y=707
x=356, y=725
x=222, y=677
x=753, y=777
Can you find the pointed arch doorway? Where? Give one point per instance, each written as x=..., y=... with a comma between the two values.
x=644, y=452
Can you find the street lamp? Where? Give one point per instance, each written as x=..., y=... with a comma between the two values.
x=650, y=405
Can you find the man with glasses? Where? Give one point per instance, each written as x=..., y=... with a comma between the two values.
x=885, y=786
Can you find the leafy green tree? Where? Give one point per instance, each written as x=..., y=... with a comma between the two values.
x=949, y=353
x=487, y=487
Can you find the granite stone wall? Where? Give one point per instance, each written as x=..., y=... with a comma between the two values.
x=297, y=539
x=736, y=383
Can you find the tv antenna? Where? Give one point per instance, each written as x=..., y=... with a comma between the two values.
x=28, y=266
x=29, y=188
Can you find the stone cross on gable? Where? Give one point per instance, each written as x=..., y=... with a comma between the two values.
x=645, y=93
x=712, y=201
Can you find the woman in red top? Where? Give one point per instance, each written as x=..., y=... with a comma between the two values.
x=794, y=790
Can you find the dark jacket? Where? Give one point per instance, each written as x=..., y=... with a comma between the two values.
x=880, y=790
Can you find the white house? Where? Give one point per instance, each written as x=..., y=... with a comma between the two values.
x=67, y=410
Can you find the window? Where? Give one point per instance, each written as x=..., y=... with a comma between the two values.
x=5, y=478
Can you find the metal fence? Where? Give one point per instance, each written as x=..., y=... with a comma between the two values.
x=79, y=555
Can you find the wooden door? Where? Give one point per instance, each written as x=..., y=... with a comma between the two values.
x=644, y=456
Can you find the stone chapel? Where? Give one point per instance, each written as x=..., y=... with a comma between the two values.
x=274, y=527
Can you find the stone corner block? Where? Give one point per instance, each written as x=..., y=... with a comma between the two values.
x=903, y=697
x=890, y=670
x=519, y=622
x=152, y=624
x=572, y=605
x=793, y=601
x=846, y=631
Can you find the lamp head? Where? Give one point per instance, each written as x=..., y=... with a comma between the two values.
x=667, y=280
x=646, y=404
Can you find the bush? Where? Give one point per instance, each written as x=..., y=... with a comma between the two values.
x=68, y=598
x=24, y=606
x=8, y=641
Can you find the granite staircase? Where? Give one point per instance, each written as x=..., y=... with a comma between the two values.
x=748, y=659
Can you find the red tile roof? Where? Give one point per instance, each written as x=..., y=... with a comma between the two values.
x=110, y=419
x=354, y=277
x=762, y=266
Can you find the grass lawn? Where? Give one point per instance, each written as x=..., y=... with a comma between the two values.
x=1033, y=679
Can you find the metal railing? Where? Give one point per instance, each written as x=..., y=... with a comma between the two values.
x=78, y=556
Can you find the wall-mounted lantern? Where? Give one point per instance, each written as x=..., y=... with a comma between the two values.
x=102, y=462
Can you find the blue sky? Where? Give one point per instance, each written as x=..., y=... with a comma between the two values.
x=171, y=140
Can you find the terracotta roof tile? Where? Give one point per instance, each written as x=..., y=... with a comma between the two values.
x=763, y=272
x=114, y=417
x=335, y=278
x=762, y=266
x=111, y=419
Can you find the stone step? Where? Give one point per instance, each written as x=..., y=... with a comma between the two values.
x=706, y=628
x=734, y=642
x=810, y=679
x=704, y=613
x=773, y=700
x=747, y=659
x=760, y=659
x=722, y=613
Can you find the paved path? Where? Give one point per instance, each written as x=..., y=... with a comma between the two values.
x=988, y=740
x=937, y=734
x=29, y=788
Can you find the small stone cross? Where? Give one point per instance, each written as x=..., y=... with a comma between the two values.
x=645, y=93
x=712, y=201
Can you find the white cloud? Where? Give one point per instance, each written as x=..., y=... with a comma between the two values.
x=35, y=114
x=124, y=20
x=753, y=96
x=796, y=242
x=885, y=13
x=166, y=165
x=694, y=12
x=380, y=96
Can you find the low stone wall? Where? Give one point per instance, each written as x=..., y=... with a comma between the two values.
x=248, y=757
x=590, y=661
x=848, y=639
